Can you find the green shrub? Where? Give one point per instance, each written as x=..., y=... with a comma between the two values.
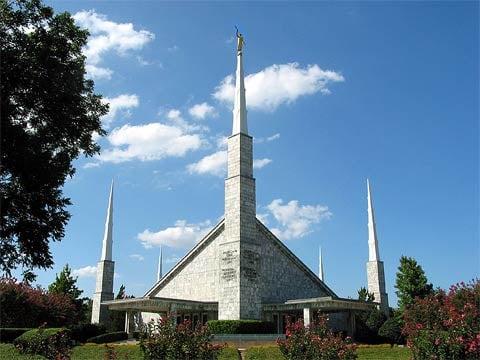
x=82, y=332
x=53, y=343
x=108, y=337
x=368, y=325
x=391, y=330
x=7, y=335
x=241, y=327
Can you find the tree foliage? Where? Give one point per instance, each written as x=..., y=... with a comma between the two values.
x=49, y=112
x=66, y=284
x=411, y=282
x=445, y=325
x=364, y=295
x=24, y=306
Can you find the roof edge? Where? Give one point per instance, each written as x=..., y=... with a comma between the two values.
x=296, y=260
x=179, y=265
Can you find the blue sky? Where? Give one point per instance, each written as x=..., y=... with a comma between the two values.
x=337, y=92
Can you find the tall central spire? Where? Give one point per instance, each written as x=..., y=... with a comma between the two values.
x=373, y=254
x=240, y=106
x=240, y=247
x=108, y=236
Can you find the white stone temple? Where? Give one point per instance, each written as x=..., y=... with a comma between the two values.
x=240, y=269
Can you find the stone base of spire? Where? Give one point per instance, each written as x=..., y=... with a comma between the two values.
x=103, y=291
x=376, y=284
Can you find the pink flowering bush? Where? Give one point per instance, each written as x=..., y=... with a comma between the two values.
x=24, y=306
x=164, y=340
x=315, y=342
x=445, y=325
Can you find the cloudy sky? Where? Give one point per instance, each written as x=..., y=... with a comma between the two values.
x=336, y=93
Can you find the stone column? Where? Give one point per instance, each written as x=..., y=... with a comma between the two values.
x=129, y=323
x=307, y=316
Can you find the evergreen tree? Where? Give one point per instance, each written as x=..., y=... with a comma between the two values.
x=364, y=295
x=66, y=284
x=411, y=282
x=49, y=113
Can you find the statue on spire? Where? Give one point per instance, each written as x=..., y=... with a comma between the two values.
x=240, y=40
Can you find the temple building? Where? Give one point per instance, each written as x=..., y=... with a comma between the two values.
x=240, y=269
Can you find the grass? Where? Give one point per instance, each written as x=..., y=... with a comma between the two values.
x=383, y=352
x=8, y=351
x=132, y=352
x=264, y=353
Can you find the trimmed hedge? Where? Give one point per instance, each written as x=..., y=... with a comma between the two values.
x=82, y=332
x=7, y=335
x=241, y=327
x=108, y=338
x=50, y=342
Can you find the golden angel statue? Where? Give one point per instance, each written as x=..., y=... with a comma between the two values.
x=240, y=41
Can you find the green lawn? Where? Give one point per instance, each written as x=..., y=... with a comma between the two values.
x=132, y=352
x=383, y=352
x=8, y=351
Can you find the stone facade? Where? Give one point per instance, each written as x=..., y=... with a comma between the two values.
x=103, y=291
x=283, y=276
x=197, y=277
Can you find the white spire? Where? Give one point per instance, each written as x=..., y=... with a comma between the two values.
x=240, y=107
x=160, y=261
x=373, y=254
x=321, y=273
x=108, y=237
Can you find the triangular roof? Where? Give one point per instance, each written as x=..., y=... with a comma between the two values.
x=213, y=234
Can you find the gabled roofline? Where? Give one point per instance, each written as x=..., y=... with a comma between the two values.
x=295, y=259
x=181, y=264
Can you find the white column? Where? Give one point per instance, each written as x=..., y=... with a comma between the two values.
x=307, y=316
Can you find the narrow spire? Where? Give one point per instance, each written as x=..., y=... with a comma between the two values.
x=108, y=236
x=321, y=273
x=373, y=254
x=160, y=263
x=240, y=107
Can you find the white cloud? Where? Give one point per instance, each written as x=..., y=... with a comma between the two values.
x=90, y=165
x=296, y=220
x=173, y=48
x=182, y=235
x=260, y=163
x=273, y=137
x=174, y=116
x=201, y=111
x=87, y=271
x=106, y=36
x=117, y=104
x=214, y=164
x=148, y=142
x=97, y=72
x=279, y=84
x=172, y=259
x=137, y=257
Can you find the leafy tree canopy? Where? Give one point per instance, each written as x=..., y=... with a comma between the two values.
x=364, y=295
x=411, y=282
x=49, y=112
x=66, y=284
